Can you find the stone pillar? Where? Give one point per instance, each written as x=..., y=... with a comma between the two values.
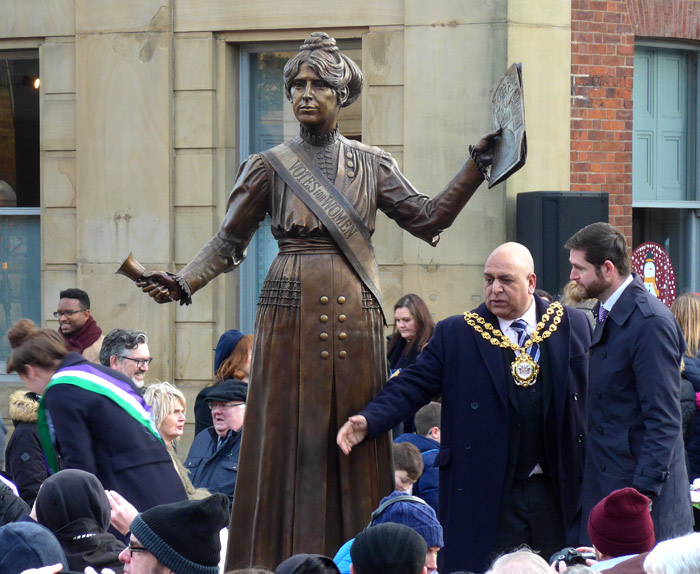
x=124, y=147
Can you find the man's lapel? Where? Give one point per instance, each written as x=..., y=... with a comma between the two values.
x=492, y=355
x=558, y=344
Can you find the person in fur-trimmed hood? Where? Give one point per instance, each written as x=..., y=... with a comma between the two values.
x=25, y=462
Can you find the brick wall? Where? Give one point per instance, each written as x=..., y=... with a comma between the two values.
x=602, y=61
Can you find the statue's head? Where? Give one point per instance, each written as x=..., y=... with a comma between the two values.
x=320, y=52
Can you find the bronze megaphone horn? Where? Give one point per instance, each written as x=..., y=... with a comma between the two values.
x=131, y=268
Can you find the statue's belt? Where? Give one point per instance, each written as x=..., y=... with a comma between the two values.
x=343, y=223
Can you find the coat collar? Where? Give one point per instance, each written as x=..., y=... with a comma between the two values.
x=623, y=307
x=231, y=435
x=627, y=301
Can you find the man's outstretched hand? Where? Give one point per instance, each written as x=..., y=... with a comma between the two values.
x=353, y=432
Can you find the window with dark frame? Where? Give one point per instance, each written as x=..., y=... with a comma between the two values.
x=20, y=247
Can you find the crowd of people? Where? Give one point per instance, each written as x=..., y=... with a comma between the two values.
x=523, y=429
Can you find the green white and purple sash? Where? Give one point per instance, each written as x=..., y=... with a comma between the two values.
x=88, y=377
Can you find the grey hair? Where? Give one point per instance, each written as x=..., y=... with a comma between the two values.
x=675, y=556
x=522, y=561
x=320, y=52
x=119, y=341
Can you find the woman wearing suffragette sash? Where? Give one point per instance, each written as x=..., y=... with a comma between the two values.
x=92, y=418
x=319, y=351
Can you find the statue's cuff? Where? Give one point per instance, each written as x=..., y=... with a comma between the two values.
x=476, y=157
x=186, y=298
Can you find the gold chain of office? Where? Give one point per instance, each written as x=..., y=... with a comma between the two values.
x=523, y=369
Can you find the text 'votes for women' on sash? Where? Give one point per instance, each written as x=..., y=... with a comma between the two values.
x=345, y=226
x=326, y=201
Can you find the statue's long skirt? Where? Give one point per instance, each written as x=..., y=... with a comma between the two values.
x=318, y=358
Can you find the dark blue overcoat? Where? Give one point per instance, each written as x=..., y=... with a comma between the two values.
x=213, y=466
x=474, y=444
x=96, y=435
x=635, y=413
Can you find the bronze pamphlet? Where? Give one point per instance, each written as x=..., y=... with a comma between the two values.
x=509, y=116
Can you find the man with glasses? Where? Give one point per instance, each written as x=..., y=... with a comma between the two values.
x=79, y=329
x=178, y=538
x=213, y=457
x=126, y=352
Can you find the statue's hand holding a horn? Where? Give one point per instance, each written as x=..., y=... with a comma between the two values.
x=162, y=286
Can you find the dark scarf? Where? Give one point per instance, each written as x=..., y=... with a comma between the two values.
x=73, y=505
x=398, y=358
x=82, y=339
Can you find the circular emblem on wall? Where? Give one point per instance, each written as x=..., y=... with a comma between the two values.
x=653, y=265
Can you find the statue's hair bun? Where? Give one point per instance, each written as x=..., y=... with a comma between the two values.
x=319, y=41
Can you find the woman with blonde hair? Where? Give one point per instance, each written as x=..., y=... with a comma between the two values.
x=167, y=410
x=686, y=310
x=168, y=407
x=571, y=296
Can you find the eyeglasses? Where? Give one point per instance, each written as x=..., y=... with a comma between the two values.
x=140, y=362
x=133, y=549
x=67, y=313
x=212, y=406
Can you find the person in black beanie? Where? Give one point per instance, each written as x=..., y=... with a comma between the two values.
x=180, y=537
x=388, y=549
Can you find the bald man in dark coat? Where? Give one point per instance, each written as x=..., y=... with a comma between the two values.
x=502, y=444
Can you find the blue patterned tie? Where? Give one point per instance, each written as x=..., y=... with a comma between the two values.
x=520, y=328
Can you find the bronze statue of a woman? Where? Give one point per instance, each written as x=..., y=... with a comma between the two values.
x=319, y=346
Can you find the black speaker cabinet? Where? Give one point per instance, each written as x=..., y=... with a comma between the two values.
x=546, y=219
